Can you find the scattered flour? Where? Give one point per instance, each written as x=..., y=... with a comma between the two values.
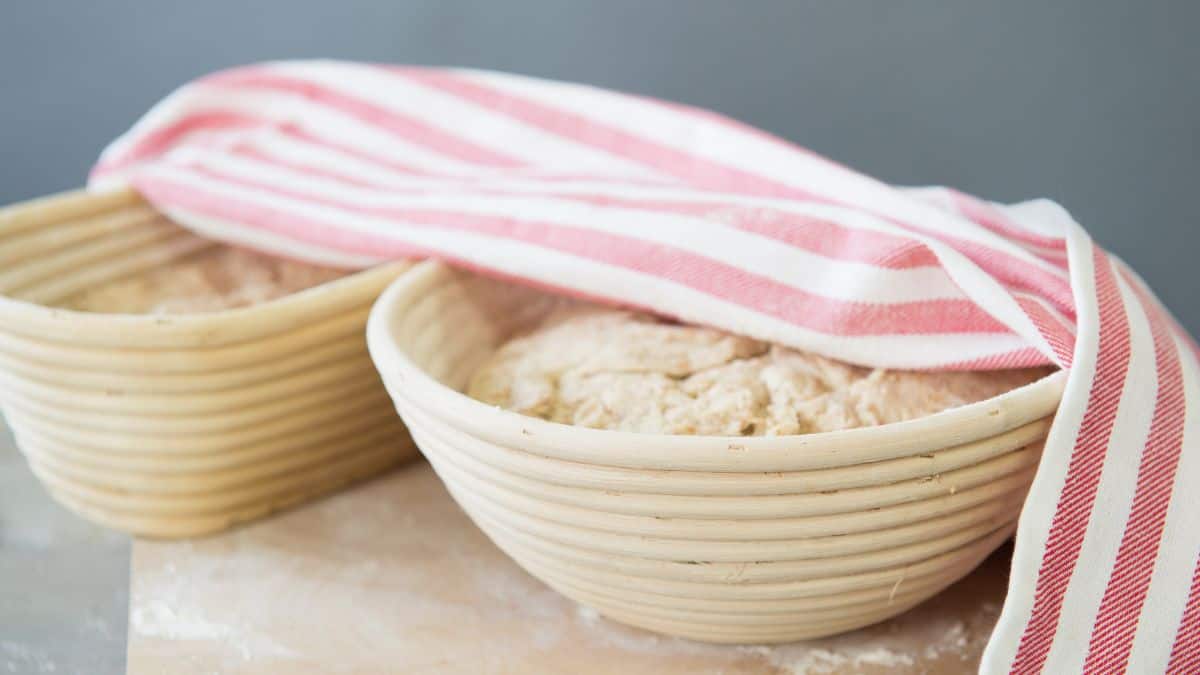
x=954, y=639
x=169, y=618
x=938, y=639
x=801, y=660
x=234, y=591
x=160, y=620
x=588, y=615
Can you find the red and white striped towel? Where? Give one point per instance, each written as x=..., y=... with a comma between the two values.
x=693, y=215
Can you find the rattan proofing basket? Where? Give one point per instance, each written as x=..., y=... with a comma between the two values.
x=721, y=539
x=180, y=425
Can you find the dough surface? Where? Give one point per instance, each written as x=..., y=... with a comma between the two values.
x=219, y=278
x=613, y=369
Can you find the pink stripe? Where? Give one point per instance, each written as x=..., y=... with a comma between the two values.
x=994, y=220
x=289, y=225
x=694, y=170
x=311, y=170
x=162, y=138
x=386, y=164
x=409, y=128
x=1125, y=595
x=1180, y=332
x=816, y=235
x=1052, y=317
x=1025, y=357
x=987, y=217
x=701, y=172
x=1083, y=473
x=1058, y=336
x=1185, y=652
x=1016, y=274
x=703, y=274
x=298, y=132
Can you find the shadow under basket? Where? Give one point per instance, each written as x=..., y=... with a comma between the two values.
x=180, y=425
x=720, y=539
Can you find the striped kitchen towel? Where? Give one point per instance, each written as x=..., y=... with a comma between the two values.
x=690, y=214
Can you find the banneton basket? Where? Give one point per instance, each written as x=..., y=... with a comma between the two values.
x=721, y=539
x=180, y=425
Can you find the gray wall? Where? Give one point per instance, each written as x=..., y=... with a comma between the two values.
x=1094, y=104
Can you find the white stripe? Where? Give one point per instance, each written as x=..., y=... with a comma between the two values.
x=270, y=242
x=1036, y=516
x=318, y=156
x=795, y=267
x=164, y=113
x=1040, y=216
x=203, y=137
x=750, y=153
x=322, y=121
x=1050, y=309
x=936, y=195
x=890, y=351
x=325, y=158
x=1027, y=216
x=482, y=126
x=1114, y=495
x=991, y=295
x=1168, y=593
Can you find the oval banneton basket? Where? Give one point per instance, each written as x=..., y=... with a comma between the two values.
x=720, y=539
x=180, y=425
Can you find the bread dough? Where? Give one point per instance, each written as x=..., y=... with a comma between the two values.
x=219, y=278
x=612, y=369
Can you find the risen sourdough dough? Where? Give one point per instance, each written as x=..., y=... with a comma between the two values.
x=219, y=278
x=612, y=369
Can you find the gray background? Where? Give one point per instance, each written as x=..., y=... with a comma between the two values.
x=1094, y=104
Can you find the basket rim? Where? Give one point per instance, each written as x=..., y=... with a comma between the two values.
x=235, y=325
x=407, y=380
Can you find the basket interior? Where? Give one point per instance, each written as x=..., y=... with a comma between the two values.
x=455, y=326
x=48, y=265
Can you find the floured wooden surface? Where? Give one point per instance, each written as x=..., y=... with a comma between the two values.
x=392, y=577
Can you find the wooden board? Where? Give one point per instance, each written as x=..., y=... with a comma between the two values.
x=390, y=577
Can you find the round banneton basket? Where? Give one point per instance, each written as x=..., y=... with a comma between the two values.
x=180, y=425
x=721, y=539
